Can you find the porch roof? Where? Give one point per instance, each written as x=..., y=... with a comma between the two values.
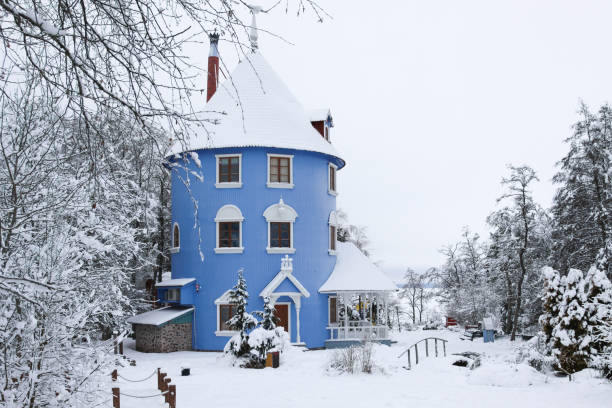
x=174, y=282
x=159, y=316
x=354, y=272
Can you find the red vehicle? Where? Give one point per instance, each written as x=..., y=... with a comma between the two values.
x=450, y=321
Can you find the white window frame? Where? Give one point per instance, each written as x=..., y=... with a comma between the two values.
x=222, y=300
x=231, y=184
x=173, y=249
x=329, y=323
x=333, y=222
x=289, y=215
x=236, y=218
x=329, y=190
x=270, y=184
x=173, y=290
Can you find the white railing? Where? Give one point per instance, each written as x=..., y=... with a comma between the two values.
x=358, y=332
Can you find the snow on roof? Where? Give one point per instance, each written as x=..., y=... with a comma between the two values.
x=318, y=114
x=159, y=316
x=354, y=272
x=260, y=111
x=174, y=282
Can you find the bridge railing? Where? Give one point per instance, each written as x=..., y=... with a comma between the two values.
x=415, y=346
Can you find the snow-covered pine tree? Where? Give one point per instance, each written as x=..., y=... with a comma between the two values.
x=267, y=337
x=599, y=319
x=241, y=321
x=583, y=204
x=553, y=295
x=268, y=319
x=570, y=341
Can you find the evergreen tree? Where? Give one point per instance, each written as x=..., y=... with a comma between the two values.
x=241, y=321
x=570, y=341
x=553, y=294
x=599, y=319
x=583, y=204
x=268, y=319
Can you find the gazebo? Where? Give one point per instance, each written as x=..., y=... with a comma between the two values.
x=358, y=291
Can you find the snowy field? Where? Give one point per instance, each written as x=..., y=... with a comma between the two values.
x=303, y=380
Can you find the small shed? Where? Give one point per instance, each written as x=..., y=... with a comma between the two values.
x=163, y=330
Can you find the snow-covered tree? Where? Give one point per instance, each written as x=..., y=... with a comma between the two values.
x=553, y=295
x=582, y=207
x=268, y=319
x=241, y=321
x=267, y=337
x=599, y=319
x=570, y=341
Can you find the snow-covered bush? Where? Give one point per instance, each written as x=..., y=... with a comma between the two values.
x=599, y=319
x=264, y=341
x=354, y=359
x=534, y=353
x=241, y=321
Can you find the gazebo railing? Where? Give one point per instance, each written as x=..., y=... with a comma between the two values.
x=358, y=332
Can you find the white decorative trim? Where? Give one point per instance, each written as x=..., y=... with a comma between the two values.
x=286, y=272
x=280, y=212
x=331, y=252
x=224, y=333
x=229, y=213
x=175, y=250
x=223, y=299
x=230, y=250
x=280, y=250
x=232, y=184
x=329, y=190
x=333, y=218
x=270, y=184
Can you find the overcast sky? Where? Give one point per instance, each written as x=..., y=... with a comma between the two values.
x=432, y=99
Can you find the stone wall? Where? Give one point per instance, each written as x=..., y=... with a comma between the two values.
x=163, y=339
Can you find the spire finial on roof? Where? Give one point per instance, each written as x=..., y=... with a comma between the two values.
x=253, y=34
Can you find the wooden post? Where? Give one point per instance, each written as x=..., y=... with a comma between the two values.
x=416, y=353
x=172, y=396
x=409, y=365
x=158, y=378
x=444, y=345
x=116, y=400
x=166, y=388
x=436, y=344
x=114, y=375
x=121, y=347
x=162, y=381
x=426, y=348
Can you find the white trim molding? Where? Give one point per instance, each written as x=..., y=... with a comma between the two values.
x=280, y=212
x=229, y=213
x=271, y=184
x=333, y=192
x=232, y=184
x=224, y=299
x=175, y=249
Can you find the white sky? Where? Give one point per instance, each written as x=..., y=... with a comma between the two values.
x=432, y=99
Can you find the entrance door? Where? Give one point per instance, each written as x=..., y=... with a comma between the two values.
x=282, y=313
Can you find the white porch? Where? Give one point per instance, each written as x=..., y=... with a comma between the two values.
x=358, y=293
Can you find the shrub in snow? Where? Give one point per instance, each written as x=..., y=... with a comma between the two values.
x=553, y=294
x=535, y=354
x=267, y=337
x=599, y=319
x=570, y=340
x=354, y=359
x=241, y=321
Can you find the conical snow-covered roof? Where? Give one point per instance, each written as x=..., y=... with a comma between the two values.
x=255, y=108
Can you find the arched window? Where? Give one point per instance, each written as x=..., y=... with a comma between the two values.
x=229, y=230
x=176, y=238
x=280, y=219
x=333, y=232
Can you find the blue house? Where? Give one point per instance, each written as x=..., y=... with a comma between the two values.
x=258, y=192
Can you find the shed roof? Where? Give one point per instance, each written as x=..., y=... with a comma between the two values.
x=174, y=282
x=159, y=316
x=354, y=272
x=254, y=108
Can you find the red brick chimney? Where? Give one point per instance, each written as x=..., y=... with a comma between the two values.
x=213, y=66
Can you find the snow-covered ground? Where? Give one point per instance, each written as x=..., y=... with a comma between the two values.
x=303, y=380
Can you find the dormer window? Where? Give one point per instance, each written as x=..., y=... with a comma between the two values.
x=322, y=121
x=229, y=171
x=280, y=171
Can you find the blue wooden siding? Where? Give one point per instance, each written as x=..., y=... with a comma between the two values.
x=218, y=272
